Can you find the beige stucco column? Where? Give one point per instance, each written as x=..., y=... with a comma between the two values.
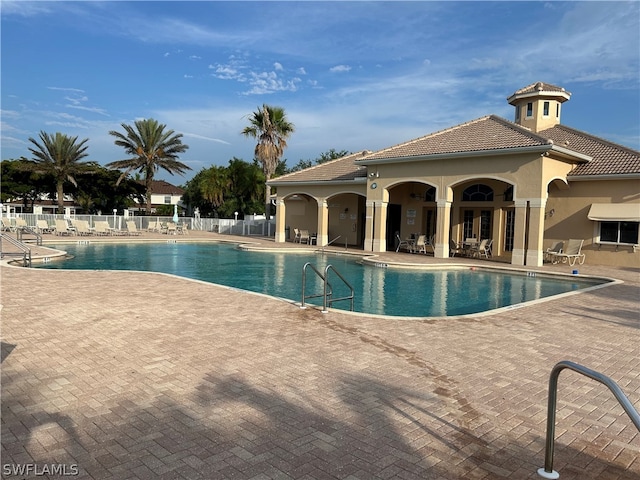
x=520, y=225
x=535, y=255
x=376, y=226
x=443, y=227
x=281, y=215
x=323, y=222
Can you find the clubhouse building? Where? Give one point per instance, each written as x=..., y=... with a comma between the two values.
x=525, y=185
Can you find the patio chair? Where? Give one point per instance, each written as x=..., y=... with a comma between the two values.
x=572, y=254
x=454, y=248
x=62, y=228
x=131, y=228
x=296, y=235
x=478, y=249
x=305, y=237
x=420, y=245
x=402, y=244
x=554, y=250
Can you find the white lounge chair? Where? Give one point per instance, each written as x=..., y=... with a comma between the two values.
x=62, y=228
x=296, y=235
x=550, y=252
x=43, y=227
x=131, y=228
x=82, y=227
x=572, y=254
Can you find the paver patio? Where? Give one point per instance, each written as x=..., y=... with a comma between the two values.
x=132, y=375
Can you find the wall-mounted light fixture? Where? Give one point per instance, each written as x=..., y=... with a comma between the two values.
x=550, y=213
x=374, y=175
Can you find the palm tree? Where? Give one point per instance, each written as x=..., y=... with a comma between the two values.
x=59, y=155
x=151, y=148
x=214, y=184
x=269, y=125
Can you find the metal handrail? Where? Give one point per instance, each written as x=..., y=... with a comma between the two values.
x=548, y=471
x=327, y=290
x=26, y=251
x=29, y=230
x=329, y=243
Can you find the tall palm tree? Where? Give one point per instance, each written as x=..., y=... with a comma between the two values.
x=59, y=155
x=269, y=125
x=214, y=184
x=151, y=148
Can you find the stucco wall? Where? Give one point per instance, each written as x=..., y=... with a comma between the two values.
x=569, y=220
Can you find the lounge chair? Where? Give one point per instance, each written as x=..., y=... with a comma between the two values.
x=550, y=252
x=82, y=227
x=296, y=235
x=21, y=223
x=62, y=228
x=7, y=226
x=171, y=229
x=154, y=226
x=43, y=227
x=131, y=228
x=572, y=254
x=102, y=228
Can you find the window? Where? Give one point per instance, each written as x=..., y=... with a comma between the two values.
x=529, y=109
x=545, y=109
x=619, y=232
x=558, y=110
x=167, y=199
x=518, y=112
x=478, y=193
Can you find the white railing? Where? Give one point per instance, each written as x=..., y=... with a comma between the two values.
x=226, y=226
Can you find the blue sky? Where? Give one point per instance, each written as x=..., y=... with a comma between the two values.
x=350, y=75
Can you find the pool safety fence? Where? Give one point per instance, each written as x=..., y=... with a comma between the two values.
x=247, y=227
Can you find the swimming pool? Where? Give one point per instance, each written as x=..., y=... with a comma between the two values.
x=378, y=291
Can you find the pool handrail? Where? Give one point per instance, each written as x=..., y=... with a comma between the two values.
x=327, y=290
x=548, y=471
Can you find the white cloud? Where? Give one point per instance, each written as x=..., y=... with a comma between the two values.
x=301, y=71
x=277, y=66
x=340, y=68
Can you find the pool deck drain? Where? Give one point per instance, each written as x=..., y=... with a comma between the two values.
x=138, y=375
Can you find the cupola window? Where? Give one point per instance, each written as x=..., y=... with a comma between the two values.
x=545, y=109
x=529, y=110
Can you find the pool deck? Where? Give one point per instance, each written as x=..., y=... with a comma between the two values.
x=132, y=375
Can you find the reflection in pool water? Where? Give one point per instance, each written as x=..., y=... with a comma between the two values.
x=381, y=291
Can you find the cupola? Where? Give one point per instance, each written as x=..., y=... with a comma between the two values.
x=538, y=105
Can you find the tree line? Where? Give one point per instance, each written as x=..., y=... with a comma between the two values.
x=58, y=167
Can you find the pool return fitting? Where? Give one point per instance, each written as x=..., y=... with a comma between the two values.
x=548, y=471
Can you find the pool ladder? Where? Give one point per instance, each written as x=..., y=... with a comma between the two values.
x=327, y=290
x=548, y=471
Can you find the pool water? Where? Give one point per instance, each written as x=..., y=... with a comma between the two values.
x=380, y=291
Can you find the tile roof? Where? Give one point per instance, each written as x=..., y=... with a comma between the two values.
x=340, y=169
x=486, y=133
x=608, y=158
x=539, y=87
x=483, y=134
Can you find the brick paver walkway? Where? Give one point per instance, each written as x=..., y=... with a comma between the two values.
x=147, y=376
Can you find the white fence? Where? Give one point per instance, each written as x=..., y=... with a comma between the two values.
x=254, y=227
